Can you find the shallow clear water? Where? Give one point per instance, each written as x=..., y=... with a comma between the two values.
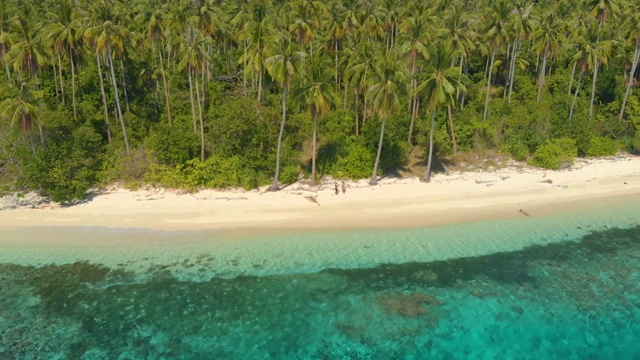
x=555, y=287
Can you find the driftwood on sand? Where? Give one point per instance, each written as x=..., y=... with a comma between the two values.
x=313, y=199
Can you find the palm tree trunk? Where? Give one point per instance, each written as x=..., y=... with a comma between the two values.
x=466, y=72
x=461, y=64
x=453, y=131
x=486, y=102
x=166, y=87
x=124, y=85
x=575, y=96
x=346, y=90
x=516, y=47
x=374, y=175
x=6, y=67
x=61, y=78
x=634, y=65
x=427, y=173
x=117, y=98
x=573, y=71
x=193, y=105
x=260, y=74
x=55, y=79
x=244, y=69
x=313, y=149
x=73, y=85
x=336, y=58
x=33, y=145
x=42, y=143
x=355, y=91
x=104, y=99
x=364, y=108
x=542, y=74
x=201, y=121
x=203, y=84
x=593, y=87
x=414, y=114
x=506, y=78
x=274, y=186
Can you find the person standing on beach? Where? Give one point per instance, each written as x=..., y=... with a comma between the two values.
x=344, y=187
x=336, y=188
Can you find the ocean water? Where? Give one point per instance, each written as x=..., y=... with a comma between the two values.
x=550, y=287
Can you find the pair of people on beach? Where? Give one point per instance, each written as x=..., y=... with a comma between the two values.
x=344, y=188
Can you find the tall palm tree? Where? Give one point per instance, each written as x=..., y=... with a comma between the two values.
x=193, y=54
x=64, y=32
x=4, y=31
x=316, y=94
x=588, y=53
x=441, y=81
x=358, y=70
x=27, y=51
x=257, y=33
x=416, y=29
x=21, y=107
x=497, y=32
x=546, y=41
x=152, y=15
x=522, y=28
x=632, y=31
x=460, y=30
x=104, y=38
x=282, y=67
x=387, y=83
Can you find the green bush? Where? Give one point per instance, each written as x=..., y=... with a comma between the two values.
x=518, y=150
x=215, y=172
x=555, y=154
x=601, y=146
x=67, y=168
x=354, y=160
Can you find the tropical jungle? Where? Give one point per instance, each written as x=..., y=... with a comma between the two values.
x=194, y=94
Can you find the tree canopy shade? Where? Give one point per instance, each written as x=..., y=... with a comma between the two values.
x=339, y=85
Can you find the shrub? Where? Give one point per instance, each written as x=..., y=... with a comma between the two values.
x=601, y=146
x=555, y=154
x=354, y=160
x=67, y=168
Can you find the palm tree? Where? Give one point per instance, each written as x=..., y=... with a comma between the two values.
x=316, y=95
x=442, y=80
x=497, y=32
x=546, y=41
x=193, y=55
x=359, y=67
x=22, y=107
x=460, y=31
x=27, y=52
x=104, y=38
x=415, y=29
x=522, y=28
x=632, y=31
x=282, y=67
x=589, y=52
x=64, y=32
x=152, y=15
x=4, y=31
x=257, y=33
x=387, y=81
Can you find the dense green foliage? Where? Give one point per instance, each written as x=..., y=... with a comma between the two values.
x=194, y=93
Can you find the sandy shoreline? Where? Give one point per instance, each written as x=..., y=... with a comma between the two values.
x=394, y=203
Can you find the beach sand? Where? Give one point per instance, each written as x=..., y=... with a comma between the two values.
x=451, y=198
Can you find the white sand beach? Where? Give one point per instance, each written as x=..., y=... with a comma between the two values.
x=455, y=197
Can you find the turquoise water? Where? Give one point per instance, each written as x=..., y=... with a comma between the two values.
x=554, y=287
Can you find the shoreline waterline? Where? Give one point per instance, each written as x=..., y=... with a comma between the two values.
x=200, y=255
